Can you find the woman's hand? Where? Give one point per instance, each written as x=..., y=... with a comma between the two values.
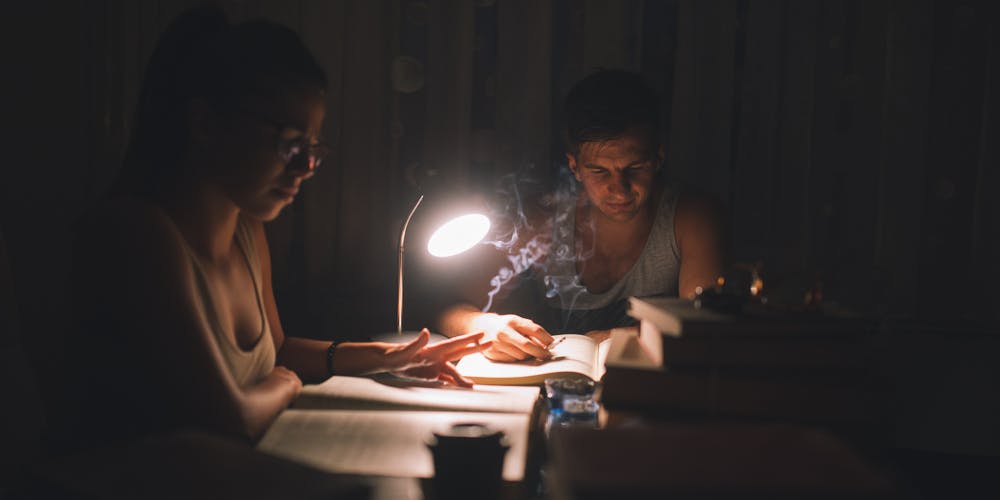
x=514, y=338
x=285, y=379
x=416, y=359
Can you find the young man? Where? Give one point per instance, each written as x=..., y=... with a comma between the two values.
x=622, y=232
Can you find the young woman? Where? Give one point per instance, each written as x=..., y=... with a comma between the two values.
x=172, y=272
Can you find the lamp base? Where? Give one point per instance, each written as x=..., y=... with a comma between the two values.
x=404, y=337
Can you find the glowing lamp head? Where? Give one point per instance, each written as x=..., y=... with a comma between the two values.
x=458, y=235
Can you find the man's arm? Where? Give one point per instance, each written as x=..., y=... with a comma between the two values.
x=699, y=228
x=514, y=337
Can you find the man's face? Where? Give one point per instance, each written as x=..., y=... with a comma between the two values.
x=617, y=175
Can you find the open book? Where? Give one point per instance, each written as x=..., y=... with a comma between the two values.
x=381, y=426
x=383, y=443
x=573, y=356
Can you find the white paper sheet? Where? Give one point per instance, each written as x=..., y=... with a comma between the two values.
x=389, y=443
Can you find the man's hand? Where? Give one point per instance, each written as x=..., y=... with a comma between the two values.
x=416, y=359
x=514, y=338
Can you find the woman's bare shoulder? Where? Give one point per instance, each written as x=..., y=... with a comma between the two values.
x=128, y=231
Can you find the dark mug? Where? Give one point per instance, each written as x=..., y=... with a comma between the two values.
x=468, y=462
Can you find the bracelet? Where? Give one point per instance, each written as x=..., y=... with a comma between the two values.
x=329, y=358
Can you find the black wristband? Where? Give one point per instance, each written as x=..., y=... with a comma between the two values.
x=329, y=358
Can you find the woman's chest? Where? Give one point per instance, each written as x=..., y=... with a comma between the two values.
x=234, y=301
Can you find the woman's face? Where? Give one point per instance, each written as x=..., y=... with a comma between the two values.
x=267, y=150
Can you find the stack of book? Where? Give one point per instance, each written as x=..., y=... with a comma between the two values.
x=803, y=367
x=712, y=460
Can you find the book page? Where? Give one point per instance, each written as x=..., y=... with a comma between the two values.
x=603, y=349
x=363, y=393
x=387, y=443
x=572, y=355
x=630, y=350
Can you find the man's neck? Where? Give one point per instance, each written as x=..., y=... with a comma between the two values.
x=616, y=238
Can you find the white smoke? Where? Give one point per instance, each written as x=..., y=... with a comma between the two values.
x=538, y=252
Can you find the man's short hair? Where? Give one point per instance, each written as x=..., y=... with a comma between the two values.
x=608, y=103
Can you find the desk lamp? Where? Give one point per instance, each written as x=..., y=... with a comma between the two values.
x=452, y=238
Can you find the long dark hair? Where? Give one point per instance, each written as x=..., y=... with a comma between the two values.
x=201, y=55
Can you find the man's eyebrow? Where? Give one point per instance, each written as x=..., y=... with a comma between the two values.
x=633, y=164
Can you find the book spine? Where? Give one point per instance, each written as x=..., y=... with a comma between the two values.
x=743, y=395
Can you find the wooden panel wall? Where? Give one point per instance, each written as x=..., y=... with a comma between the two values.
x=852, y=140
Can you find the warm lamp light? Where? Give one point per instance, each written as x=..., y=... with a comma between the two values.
x=458, y=235
x=452, y=238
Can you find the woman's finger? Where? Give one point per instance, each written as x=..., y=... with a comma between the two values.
x=450, y=370
x=422, y=338
x=407, y=351
x=448, y=379
x=463, y=351
x=456, y=342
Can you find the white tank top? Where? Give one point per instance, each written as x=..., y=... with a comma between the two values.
x=246, y=367
x=573, y=308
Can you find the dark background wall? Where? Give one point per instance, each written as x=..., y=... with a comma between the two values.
x=852, y=140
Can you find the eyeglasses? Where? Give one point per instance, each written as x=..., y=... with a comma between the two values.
x=289, y=149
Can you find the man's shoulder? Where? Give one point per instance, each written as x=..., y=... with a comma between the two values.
x=698, y=205
x=699, y=217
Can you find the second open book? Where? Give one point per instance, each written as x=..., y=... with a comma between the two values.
x=381, y=426
x=573, y=356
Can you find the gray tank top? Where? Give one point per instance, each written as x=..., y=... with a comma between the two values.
x=573, y=308
x=246, y=367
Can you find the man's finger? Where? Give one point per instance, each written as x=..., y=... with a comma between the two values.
x=494, y=354
x=508, y=349
x=533, y=331
x=523, y=344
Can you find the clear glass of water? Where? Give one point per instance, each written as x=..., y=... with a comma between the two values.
x=572, y=397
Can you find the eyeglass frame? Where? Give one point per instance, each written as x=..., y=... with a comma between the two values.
x=317, y=152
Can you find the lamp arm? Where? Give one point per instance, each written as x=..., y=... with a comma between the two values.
x=399, y=282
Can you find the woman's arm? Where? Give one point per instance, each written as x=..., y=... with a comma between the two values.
x=308, y=357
